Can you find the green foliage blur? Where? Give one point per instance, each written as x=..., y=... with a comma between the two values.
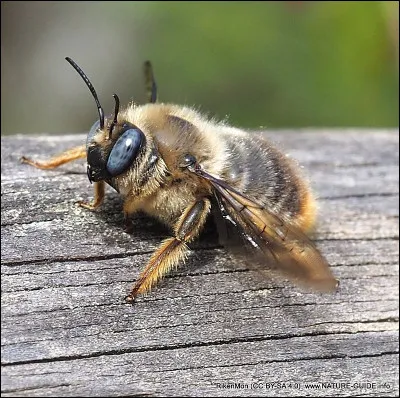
x=280, y=63
x=261, y=64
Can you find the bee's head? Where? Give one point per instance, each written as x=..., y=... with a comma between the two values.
x=110, y=159
x=124, y=141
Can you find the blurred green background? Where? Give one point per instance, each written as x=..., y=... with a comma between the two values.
x=261, y=64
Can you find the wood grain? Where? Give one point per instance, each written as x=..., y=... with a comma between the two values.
x=211, y=328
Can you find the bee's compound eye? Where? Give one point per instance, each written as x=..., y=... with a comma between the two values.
x=92, y=132
x=124, y=151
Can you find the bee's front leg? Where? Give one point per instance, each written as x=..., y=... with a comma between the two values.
x=58, y=160
x=172, y=250
x=129, y=226
x=66, y=157
x=99, y=188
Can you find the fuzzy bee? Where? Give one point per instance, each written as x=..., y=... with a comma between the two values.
x=173, y=163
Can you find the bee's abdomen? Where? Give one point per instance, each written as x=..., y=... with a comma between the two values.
x=264, y=174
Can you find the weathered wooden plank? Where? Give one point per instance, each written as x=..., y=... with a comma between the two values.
x=66, y=330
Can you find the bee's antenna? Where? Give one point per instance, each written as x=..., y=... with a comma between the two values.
x=91, y=88
x=116, y=110
x=151, y=86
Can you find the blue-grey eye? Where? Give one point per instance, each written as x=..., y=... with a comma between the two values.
x=124, y=151
x=92, y=132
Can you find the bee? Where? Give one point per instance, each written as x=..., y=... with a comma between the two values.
x=174, y=164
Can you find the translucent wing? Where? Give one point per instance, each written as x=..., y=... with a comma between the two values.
x=268, y=240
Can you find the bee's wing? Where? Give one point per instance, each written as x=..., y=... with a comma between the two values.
x=268, y=240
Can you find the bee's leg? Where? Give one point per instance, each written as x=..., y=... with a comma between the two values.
x=129, y=226
x=130, y=208
x=172, y=250
x=98, y=197
x=65, y=157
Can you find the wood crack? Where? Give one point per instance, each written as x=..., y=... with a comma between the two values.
x=238, y=340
